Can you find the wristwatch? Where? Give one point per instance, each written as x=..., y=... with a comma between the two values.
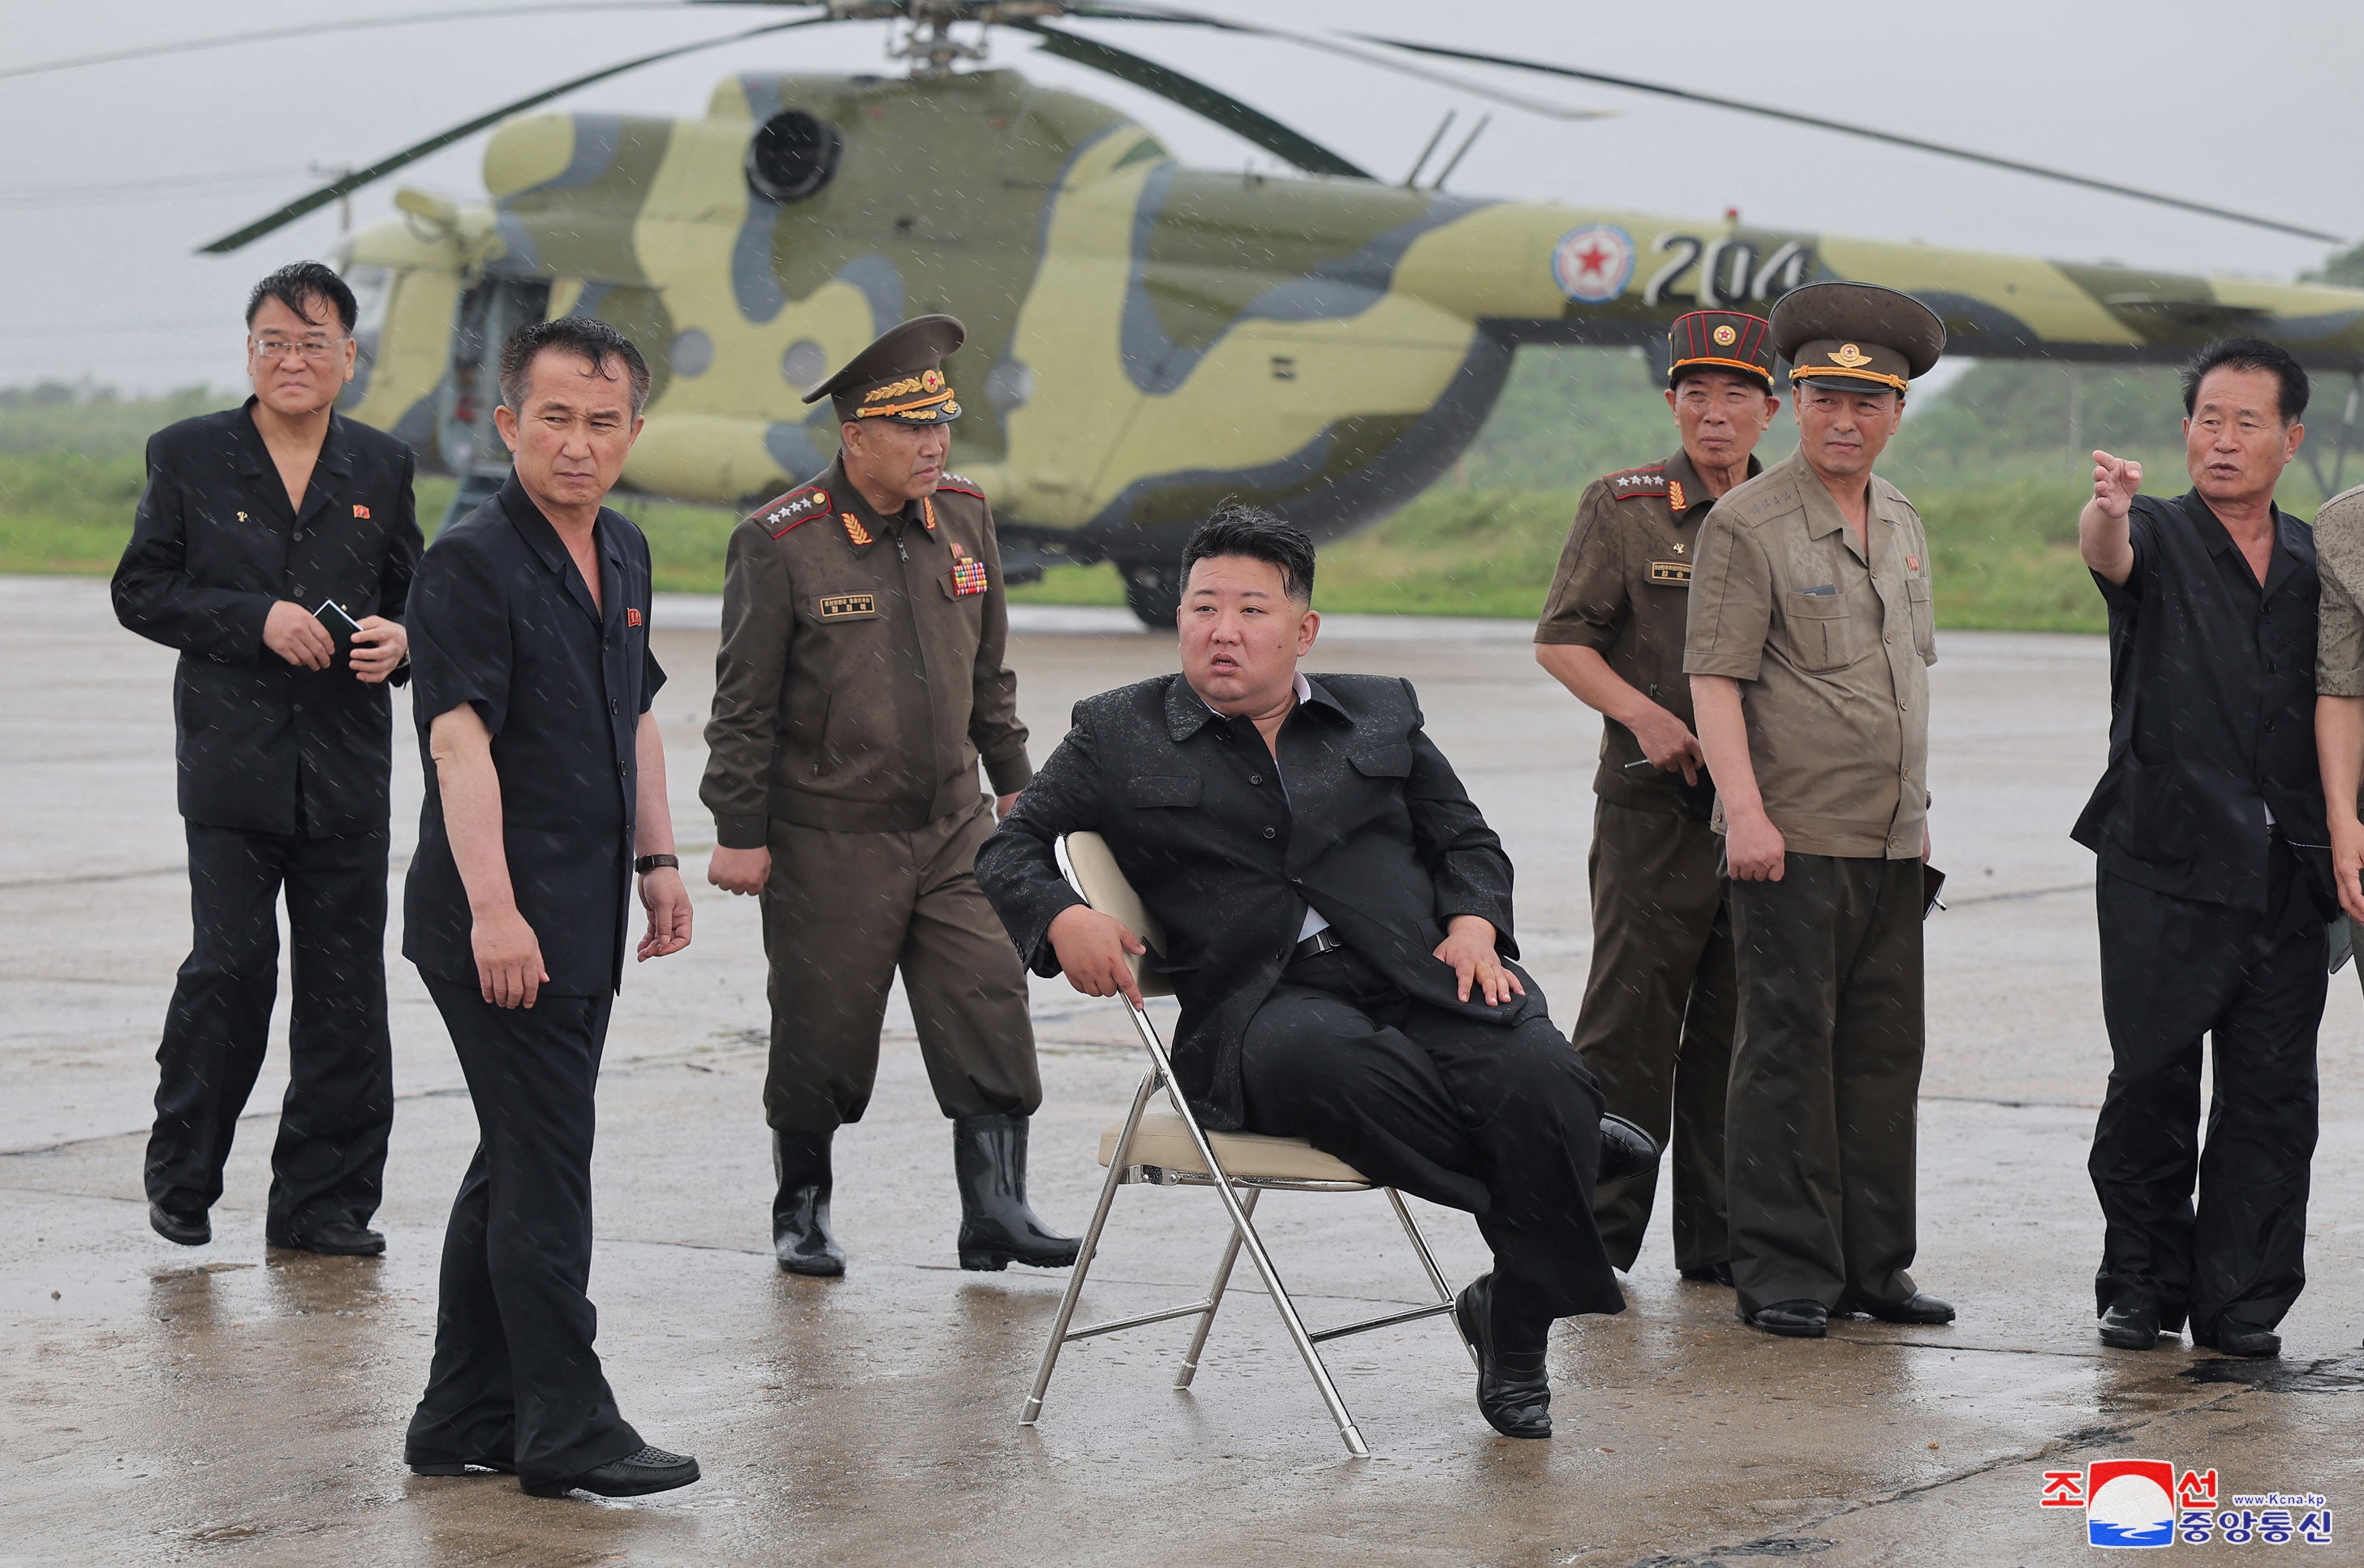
x=648, y=863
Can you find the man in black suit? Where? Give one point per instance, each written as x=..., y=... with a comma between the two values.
x=545, y=794
x=1338, y=921
x=251, y=520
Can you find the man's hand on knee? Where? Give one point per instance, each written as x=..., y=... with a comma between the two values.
x=1092, y=949
x=1468, y=947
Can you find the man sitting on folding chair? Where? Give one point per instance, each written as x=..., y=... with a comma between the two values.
x=1337, y=920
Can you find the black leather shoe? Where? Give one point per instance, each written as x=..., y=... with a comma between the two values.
x=1915, y=1308
x=1513, y=1390
x=1793, y=1319
x=2259, y=1344
x=801, y=1238
x=1709, y=1274
x=461, y=1466
x=189, y=1230
x=635, y=1475
x=336, y=1238
x=2130, y=1328
x=997, y=1228
x=1625, y=1150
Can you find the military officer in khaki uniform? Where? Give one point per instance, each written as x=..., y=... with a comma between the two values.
x=860, y=681
x=1810, y=634
x=1656, y=1028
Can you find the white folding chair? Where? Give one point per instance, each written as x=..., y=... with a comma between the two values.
x=1168, y=1148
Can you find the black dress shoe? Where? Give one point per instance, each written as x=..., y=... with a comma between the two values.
x=1793, y=1319
x=1709, y=1274
x=1915, y=1308
x=801, y=1238
x=2130, y=1328
x=460, y=1466
x=335, y=1238
x=1513, y=1390
x=998, y=1227
x=2230, y=1339
x=1625, y=1150
x=634, y=1476
x=189, y=1230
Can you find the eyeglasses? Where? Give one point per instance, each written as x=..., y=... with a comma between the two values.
x=274, y=349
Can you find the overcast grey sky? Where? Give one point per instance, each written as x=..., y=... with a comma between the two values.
x=116, y=173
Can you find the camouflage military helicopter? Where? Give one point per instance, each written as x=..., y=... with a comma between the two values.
x=1144, y=337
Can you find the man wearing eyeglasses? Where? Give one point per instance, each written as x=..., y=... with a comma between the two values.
x=273, y=546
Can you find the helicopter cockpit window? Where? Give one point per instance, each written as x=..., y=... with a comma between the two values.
x=373, y=289
x=791, y=157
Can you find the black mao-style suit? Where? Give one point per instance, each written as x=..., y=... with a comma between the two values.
x=1367, y=1052
x=505, y=622
x=283, y=777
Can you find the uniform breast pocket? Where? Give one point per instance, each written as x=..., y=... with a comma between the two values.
x=1383, y=762
x=1825, y=634
x=1923, y=596
x=1155, y=790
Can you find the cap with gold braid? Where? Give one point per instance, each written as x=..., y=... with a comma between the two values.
x=1721, y=340
x=901, y=376
x=1856, y=334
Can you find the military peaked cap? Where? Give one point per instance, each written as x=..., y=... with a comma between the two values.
x=1721, y=340
x=1857, y=333
x=901, y=376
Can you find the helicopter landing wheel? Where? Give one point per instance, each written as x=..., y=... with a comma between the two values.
x=1153, y=592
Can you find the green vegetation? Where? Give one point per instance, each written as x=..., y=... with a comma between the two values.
x=1995, y=460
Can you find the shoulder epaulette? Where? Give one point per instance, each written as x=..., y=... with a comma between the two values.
x=954, y=482
x=802, y=504
x=1650, y=480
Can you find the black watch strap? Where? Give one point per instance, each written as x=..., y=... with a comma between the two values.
x=648, y=863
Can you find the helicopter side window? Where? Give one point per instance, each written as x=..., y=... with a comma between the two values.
x=791, y=156
x=373, y=291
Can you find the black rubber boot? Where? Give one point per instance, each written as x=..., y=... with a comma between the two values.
x=997, y=1227
x=801, y=1238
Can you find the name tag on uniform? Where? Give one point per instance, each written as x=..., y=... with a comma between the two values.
x=846, y=605
x=1676, y=572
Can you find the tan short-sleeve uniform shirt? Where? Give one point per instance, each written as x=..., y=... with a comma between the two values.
x=2339, y=565
x=1831, y=645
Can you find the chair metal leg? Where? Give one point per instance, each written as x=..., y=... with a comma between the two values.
x=1244, y=1229
x=1214, y=1298
x=1428, y=1261
x=1084, y=1253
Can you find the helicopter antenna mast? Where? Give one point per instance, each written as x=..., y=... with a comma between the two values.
x=1412, y=180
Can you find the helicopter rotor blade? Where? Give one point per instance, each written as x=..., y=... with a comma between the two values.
x=1092, y=10
x=1208, y=103
x=394, y=162
x=1844, y=127
x=332, y=25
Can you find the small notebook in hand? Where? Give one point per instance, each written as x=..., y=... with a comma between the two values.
x=341, y=626
x=1933, y=882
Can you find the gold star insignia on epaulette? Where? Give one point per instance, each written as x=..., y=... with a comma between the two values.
x=853, y=528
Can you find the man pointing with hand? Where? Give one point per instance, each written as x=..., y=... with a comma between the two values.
x=2213, y=881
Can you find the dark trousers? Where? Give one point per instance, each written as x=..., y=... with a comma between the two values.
x=1657, y=1024
x=841, y=912
x=2173, y=970
x=1503, y=1122
x=329, y=1158
x=515, y=1376
x=1819, y=1120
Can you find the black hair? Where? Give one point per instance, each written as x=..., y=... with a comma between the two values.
x=2248, y=354
x=595, y=340
x=1234, y=528
x=299, y=286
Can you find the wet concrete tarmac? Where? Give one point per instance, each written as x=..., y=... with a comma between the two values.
x=229, y=1405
